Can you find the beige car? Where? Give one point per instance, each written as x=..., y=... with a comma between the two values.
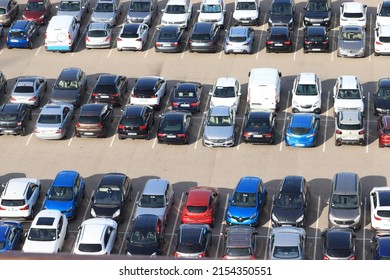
x=8, y=11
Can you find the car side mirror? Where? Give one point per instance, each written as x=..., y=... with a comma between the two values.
x=210, y=92
x=57, y=7
x=128, y=238
x=239, y=94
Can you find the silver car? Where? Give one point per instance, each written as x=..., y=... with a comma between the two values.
x=54, y=121
x=98, y=35
x=107, y=11
x=239, y=40
x=29, y=90
x=351, y=41
x=287, y=243
x=142, y=11
x=75, y=8
x=219, y=127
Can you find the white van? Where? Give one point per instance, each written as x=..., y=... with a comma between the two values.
x=264, y=89
x=62, y=33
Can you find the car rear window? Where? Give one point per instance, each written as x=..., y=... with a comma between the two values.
x=49, y=119
x=353, y=15
x=129, y=35
x=384, y=39
x=97, y=33
x=185, y=94
x=237, y=39
x=300, y=130
x=105, y=89
x=356, y=126
x=278, y=37
x=238, y=251
x=8, y=117
x=200, y=37
x=167, y=36
x=383, y=213
x=17, y=34
x=89, y=119
x=42, y=234
x=286, y=252
x=171, y=126
x=2, y=11
x=132, y=121
x=144, y=93
x=90, y=248
x=24, y=89
x=257, y=124
x=196, y=209
x=339, y=253
x=152, y=201
x=12, y=202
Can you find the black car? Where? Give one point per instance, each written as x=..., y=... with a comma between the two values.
x=174, y=127
x=380, y=246
x=279, y=39
x=111, y=195
x=204, y=37
x=186, y=96
x=259, y=127
x=282, y=13
x=94, y=120
x=338, y=244
x=110, y=89
x=193, y=241
x=291, y=202
x=70, y=87
x=14, y=118
x=318, y=12
x=169, y=39
x=146, y=236
x=316, y=39
x=381, y=100
x=3, y=83
x=136, y=122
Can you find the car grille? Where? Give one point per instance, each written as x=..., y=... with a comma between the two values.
x=344, y=222
x=209, y=20
x=248, y=18
x=316, y=20
x=306, y=106
x=137, y=20
x=217, y=140
x=240, y=219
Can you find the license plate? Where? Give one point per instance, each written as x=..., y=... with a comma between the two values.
x=343, y=226
x=13, y=40
x=218, y=144
x=103, y=96
x=258, y=136
x=131, y=133
x=245, y=21
x=88, y=133
x=185, y=105
x=8, y=131
x=278, y=45
x=171, y=136
x=316, y=50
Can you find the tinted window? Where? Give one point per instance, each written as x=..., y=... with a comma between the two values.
x=238, y=251
x=34, y=6
x=143, y=237
x=281, y=9
x=139, y=7
x=90, y=248
x=24, y=89
x=200, y=36
x=286, y=252
x=289, y=200
x=12, y=202
x=246, y=6
x=17, y=33
x=69, y=6
x=300, y=130
x=152, y=201
x=89, y=119
x=108, y=195
x=244, y=199
x=175, y=9
x=105, y=89
x=8, y=117
x=345, y=201
x=132, y=121
x=61, y=193
x=97, y=33
x=196, y=209
x=306, y=90
x=105, y=7
x=49, y=119
x=42, y=234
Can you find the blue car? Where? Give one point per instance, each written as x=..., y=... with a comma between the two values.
x=380, y=246
x=302, y=131
x=22, y=34
x=66, y=193
x=11, y=234
x=248, y=199
x=186, y=96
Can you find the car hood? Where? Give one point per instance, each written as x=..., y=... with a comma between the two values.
x=382, y=103
x=102, y=15
x=58, y=205
x=244, y=212
x=64, y=95
x=40, y=246
x=351, y=45
x=75, y=14
x=138, y=14
x=33, y=14
x=312, y=14
x=218, y=132
x=105, y=210
x=381, y=20
x=146, y=250
x=209, y=16
x=238, y=14
x=174, y=17
x=349, y=103
x=154, y=211
x=345, y=214
x=278, y=19
x=287, y=215
x=306, y=99
x=218, y=101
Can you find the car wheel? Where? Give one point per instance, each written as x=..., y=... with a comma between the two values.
x=120, y=137
x=23, y=131
x=376, y=54
x=337, y=143
x=380, y=145
x=31, y=217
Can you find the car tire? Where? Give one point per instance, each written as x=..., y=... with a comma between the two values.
x=376, y=54
x=380, y=145
x=23, y=131
x=120, y=137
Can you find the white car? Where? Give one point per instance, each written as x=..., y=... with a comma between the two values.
x=353, y=13
x=348, y=94
x=19, y=198
x=96, y=236
x=287, y=243
x=246, y=12
x=380, y=208
x=132, y=36
x=382, y=40
x=383, y=13
x=47, y=233
x=226, y=92
x=212, y=11
x=306, y=94
x=148, y=90
x=177, y=12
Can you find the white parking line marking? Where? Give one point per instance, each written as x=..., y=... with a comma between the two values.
x=36, y=53
x=113, y=136
x=368, y=121
x=284, y=122
x=71, y=138
x=326, y=122
x=333, y=43
x=297, y=37
x=222, y=229
x=262, y=31
x=316, y=232
x=29, y=139
x=128, y=223
x=174, y=226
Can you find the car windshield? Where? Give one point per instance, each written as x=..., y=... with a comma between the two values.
x=242, y=199
x=171, y=126
x=384, y=12
x=297, y=130
x=108, y=195
x=13, y=202
x=238, y=251
x=42, y=234
x=286, y=252
x=104, y=7
x=219, y=121
x=8, y=117
x=256, y=124
x=60, y=193
x=281, y=9
x=90, y=248
x=105, y=89
x=383, y=93
x=246, y=6
x=349, y=126
x=143, y=238
x=185, y=94
x=340, y=201
x=339, y=253
x=289, y=200
x=196, y=209
x=97, y=33
x=315, y=35
x=306, y=89
x=348, y=94
x=49, y=119
x=69, y=6
x=353, y=15
x=24, y=89
x=139, y=7
x=17, y=34
x=209, y=9
x=352, y=36
x=34, y=6
x=237, y=39
x=64, y=84
x=175, y=9
x=317, y=7
x=278, y=37
x=152, y=201
x=224, y=92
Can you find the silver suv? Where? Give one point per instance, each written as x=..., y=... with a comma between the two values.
x=349, y=128
x=107, y=11
x=142, y=11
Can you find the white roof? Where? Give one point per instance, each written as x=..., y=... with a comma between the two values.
x=353, y=7
x=16, y=187
x=307, y=78
x=384, y=30
x=226, y=82
x=94, y=228
x=60, y=22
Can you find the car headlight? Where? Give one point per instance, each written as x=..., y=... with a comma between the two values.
x=327, y=19
x=228, y=214
x=128, y=253
x=220, y=19
x=300, y=219
x=317, y=103
x=117, y=213
x=212, y=104
x=154, y=254
x=164, y=21
x=274, y=218
x=361, y=50
x=306, y=19
x=310, y=135
x=42, y=16
x=70, y=209
x=254, y=215
x=205, y=137
x=357, y=219
x=270, y=21
x=230, y=138
x=93, y=214
x=110, y=19
x=291, y=20
x=331, y=217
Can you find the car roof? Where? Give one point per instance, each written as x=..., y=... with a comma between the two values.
x=155, y=187
x=53, y=109
x=93, y=229
x=212, y=2
x=94, y=109
x=145, y=222
x=313, y=29
x=384, y=30
x=239, y=236
x=174, y=116
x=202, y=27
x=131, y=28
x=292, y=184
x=169, y=28
x=65, y=178
x=16, y=188
x=279, y=30
x=349, y=82
x=248, y=184
x=10, y=108
x=20, y=23
x=146, y=82
x=307, y=78
x=177, y=2
x=384, y=245
x=385, y=3
x=238, y=31
x=69, y=74
x=113, y=179
x=345, y=183
x=353, y=7
x=133, y=110
x=193, y=228
x=384, y=82
x=301, y=120
x=220, y=111
x=350, y=117
x=282, y=1
x=107, y=79
x=47, y=218
x=184, y=86
x=339, y=238
x=226, y=82
x=259, y=115
x=386, y=121
x=199, y=196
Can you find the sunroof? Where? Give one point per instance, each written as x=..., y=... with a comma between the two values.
x=44, y=221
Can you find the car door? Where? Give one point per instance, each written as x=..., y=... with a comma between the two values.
x=24, y=115
x=109, y=239
x=214, y=202
x=39, y=88
x=32, y=194
x=262, y=193
x=187, y=124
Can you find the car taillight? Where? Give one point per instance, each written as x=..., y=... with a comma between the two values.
x=202, y=255
x=143, y=127
x=99, y=125
x=87, y=39
x=25, y=207
x=307, y=42
x=2, y=208
x=352, y=258
x=269, y=42
x=139, y=39
x=175, y=104
x=252, y=257
x=160, y=134
x=121, y=126
x=12, y=98
x=19, y=123
x=119, y=39
x=378, y=43
x=228, y=44
x=176, y=254
x=27, y=38
x=36, y=130
x=115, y=95
x=361, y=132
x=326, y=258
x=94, y=94
x=181, y=135
x=287, y=43
x=246, y=44
x=158, y=229
x=59, y=131
x=338, y=132
x=268, y=135
x=108, y=38
x=157, y=44
x=377, y=218
x=224, y=257
x=175, y=44
x=246, y=134
x=77, y=124
x=194, y=104
x=154, y=96
x=325, y=42
x=32, y=99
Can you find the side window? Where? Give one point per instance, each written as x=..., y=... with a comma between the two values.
x=11, y=235
x=30, y=191
x=65, y=112
x=60, y=222
x=77, y=186
x=126, y=186
x=107, y=236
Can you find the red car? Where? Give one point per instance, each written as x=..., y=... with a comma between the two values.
x=201, y=206
x=384, y=131
x=38, y=11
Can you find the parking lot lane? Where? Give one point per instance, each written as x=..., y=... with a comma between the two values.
x=298, y=37
x=173, y=233
x=286, y=115
x=316, y=226
x=129, y=222
x=326, y=121
x=222, y=230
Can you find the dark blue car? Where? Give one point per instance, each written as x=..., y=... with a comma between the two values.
x=22, y=34
x=66, y=193
x=247, y=202
x=380, y=246
x=11, y=234
x=186, y=96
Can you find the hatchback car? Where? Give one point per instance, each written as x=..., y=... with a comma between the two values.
x=38, y=11
x=306, y=93
x=349, y=128
x=29, y=90
x=382, y=40
x=381, y=98
x=75, y=8
x=47, y=233
x=174, y=127
x=348, y=94
x=11, y=236
x=14, y=118
x=279, y=39
x=54, y=121
x=226, y=92
x=186, y=96
x=107, y=11
x=201, y=206
x=94, y=120
x=247, y=202
x=111, y=196
x=136, y=122
x=212, y=11
x=318, y=13
x=282, y=13
x=259, y=127
x=66, y=193
x=22, y=34
x=142, y=11
x=98, y=36
x=149, y=90
x=9, y=10
x=351, y=41
x=70, y=87
x=302, y=130
x=240, y=39
x=204, y=37
x=353, y=13
x=287, y=243
x=193, y=241
x=19, y=198
x=132, y=36
x=170, y=38
x=338, y=244
x=177, y=12
x=110, y=88
x=383, y=128
x=96, y=236
x=380, y=208
x=316, y=39
x=146, y=236
x=291, y=202
x=380, y=246
x=239, y=243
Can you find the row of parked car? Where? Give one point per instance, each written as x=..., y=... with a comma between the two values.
x=111, y=198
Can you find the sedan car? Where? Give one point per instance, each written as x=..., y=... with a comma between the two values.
x=29, y=90
x=279, y=39
x=302, y=130
x=380, y=208
x=107, y=11
x=383, y=127
x=351, y=41
x=37, y=10
x=11, y=236
x=381, y=98
x=259, y=127
x=201, y=206
x=193, y=241
x=226, y=92
x=110, y=88
x=174, y=127
x=98, y=36
x=338, y=244
x=94, y=120
x=132, y=36
x=170, y=38
x=239, y=40
x=380, y=246
x=204, y=37
x=316, y=39
x=54, y=121
x=136, y=122
x=239, y=243
x=186, y=96
x=96, y=236
x=14, y=118
x=111, y=195
x=149, y=90
x=287, y=243
x=66, y=193
x=75, y=8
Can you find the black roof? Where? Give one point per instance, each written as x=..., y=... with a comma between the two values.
x=202, y=27
x=146, y=83
x=107, y=79
x=174, y=116
x=169, y=28
x=187, y=86
x=259, y=115
x=384, y=82
x=145, y=222
x=339, y=238
x=69, y=74
x=131, y=28
x=133, y=110
x=10, y=108
x=115, y=179
x=279, y=30
x=292, y=184
x=92, y=109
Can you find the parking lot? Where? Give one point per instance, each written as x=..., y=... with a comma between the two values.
x=193, y=164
